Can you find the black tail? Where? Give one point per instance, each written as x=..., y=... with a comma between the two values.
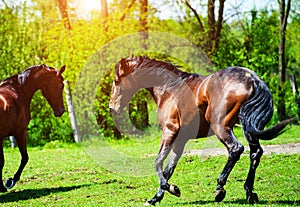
x=256, y=112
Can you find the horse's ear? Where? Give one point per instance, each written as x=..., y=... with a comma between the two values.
x=63, y=68
x=122, y=66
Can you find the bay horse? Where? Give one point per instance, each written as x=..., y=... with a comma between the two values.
x=16, y=93
x=196, y=106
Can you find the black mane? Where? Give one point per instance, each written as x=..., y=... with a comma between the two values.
x=144, y=61
x=20, y=79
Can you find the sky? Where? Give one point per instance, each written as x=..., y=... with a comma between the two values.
x=166, y=11
x=230, y=7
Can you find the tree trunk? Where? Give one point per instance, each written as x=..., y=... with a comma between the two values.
x=144, y=22
x=12, y=140
x=64, y=13
x=219, y=25
x=126, y=9
x=142, y=120
x=72, y=115
x=284, y=13
x=139, y=107
x=295, y=92
x=211, y=33
x=211, y=26
x=104, y=9
x=144, y=15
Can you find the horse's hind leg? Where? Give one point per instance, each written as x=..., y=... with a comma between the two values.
x=2, y=188
x=235, y=149
x=21, y=142
x=255, y=154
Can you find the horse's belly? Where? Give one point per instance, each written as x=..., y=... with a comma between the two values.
x=204, y=130
x=7, y=123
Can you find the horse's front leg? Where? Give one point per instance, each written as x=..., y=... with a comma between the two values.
x=168, y=137
x=163, y=153
x=164, y=176
x=2, y=188
x=21, y=140
x=174, y=157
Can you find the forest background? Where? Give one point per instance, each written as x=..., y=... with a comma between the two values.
x=58, y=32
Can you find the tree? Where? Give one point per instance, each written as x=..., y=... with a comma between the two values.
x=48, y=9
x=63, y=7
x=211, y=34
x=293, y=54
x=104, y=9
x=284, y=10
x=141, y=103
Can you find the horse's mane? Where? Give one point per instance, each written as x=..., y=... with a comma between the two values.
x=20, y=79
x=146, y=62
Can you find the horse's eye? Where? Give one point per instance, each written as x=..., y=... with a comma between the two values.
x=117, y=80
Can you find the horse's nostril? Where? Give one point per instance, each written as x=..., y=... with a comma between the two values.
x=59, y=112
x=112, y=111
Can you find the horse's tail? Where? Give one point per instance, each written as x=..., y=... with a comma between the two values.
x=257, y=111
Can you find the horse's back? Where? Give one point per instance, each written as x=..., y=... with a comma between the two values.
x=223, y=93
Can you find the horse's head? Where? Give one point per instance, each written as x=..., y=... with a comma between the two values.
x=52, y=90
x=124, y=84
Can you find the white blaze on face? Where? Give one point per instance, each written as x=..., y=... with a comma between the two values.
x=115, y=99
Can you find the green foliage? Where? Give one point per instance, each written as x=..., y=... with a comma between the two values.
x=20, y=40
x=293, y=49
x=255, y=46
x=32, y=35
x=102, y=113
x=44, y=127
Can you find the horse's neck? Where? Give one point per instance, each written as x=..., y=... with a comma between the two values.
x=161, y=77
x=162, y=80
x=179, y=86
x=32, y=84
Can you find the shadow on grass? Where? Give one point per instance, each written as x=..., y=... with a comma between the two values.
x=28, y=194
x=242, y=202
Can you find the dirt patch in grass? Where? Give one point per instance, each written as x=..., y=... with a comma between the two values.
x=292, y=148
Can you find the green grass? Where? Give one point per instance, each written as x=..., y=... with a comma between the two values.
x=68, y=175
x=135, y=146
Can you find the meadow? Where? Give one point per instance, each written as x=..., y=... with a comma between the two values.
x=60, y=174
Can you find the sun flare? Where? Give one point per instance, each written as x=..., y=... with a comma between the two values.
x=85, y=7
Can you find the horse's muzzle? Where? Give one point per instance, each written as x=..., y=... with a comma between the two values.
x=114, y=108
x=59, y=112
x=113, y=111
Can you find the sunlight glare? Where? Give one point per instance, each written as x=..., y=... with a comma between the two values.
x=85, y=7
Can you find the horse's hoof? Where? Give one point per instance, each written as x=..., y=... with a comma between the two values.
x=148, y=204
x=10, y=183
x=252, y=198
x=174, y=190
x=220, y=195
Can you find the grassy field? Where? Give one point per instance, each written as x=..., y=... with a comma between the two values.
x=68, y=175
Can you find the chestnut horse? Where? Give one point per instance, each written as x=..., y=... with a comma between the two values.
x=195, y=106
x=16, y=93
